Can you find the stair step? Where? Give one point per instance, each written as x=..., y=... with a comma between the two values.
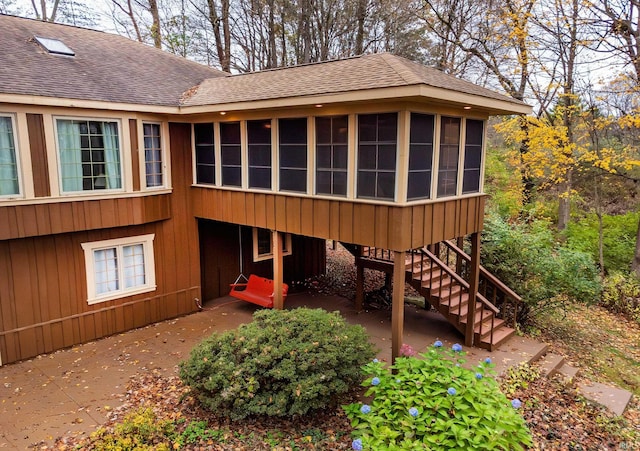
x=500, y=335
x=550, y=364
x=438, y=284
x=455, y=300
x=568, y=374
x=452, y=292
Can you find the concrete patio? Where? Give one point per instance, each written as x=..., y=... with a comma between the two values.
x=72, y=391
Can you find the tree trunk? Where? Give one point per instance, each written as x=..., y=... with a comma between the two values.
x=564, y=204
x=155, y=28
x=361, y=15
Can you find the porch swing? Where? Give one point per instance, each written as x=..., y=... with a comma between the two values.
x=257, y=290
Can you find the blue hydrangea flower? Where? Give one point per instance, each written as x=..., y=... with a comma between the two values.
x=438, y=344
x=478, y=376
x=413, y=412
x=487, y=360
x=456, y=347
x=516, y=403
x=452, y=391
x=365, y=409
x=375, y=360
x=357, y=444
x=375, y=381
x=398, y=381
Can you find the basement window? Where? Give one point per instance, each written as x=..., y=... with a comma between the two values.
x=263, y=244
x=55, y=46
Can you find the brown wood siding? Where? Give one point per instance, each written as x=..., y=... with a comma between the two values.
x=221, y=247
x=21, y=221
x=384, y=226
x=43, y=294
x=35, y=127
x=135, y=152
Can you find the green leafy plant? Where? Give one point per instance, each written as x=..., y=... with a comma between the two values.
x=432, y=402
x=621, y=294
x=140, y=431
x=283, y=363
x=527, y=259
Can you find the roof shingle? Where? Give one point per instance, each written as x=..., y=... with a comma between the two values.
x=106, y=67
x=373, y=71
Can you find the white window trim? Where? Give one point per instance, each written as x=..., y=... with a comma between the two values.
x=286, y=239
x=17, y=156
x=149, y=265
x=166, y=170
x=125, y=170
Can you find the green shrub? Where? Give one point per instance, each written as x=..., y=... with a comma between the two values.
x=283, y=363
x=544, y=274
x=434, y=403
x=621, y=294
x=619, y=239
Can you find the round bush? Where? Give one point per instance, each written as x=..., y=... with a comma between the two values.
x=283, y=363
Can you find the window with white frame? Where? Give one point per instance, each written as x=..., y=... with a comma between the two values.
x=263, y=244
x=89, y=154
x=231, y=152
x=120, y=267
x=152, y=155
x=9, y=184
x=420, y=156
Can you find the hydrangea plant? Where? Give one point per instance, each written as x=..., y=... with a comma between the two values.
x=432, y=402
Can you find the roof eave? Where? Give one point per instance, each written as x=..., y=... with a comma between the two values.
x=26, y=99
x=488, y=105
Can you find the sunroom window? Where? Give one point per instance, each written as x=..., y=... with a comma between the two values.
x=292, y=144
x=259, y=149
x=8, y=165
x=472, y=156
x=205, y=154
x=89, y=152
x=231, y=153
x=377, y=149
x=420, y=156
x=331, y=155
x=449, y=153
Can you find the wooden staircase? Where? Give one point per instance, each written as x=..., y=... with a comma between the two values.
x=444, y=287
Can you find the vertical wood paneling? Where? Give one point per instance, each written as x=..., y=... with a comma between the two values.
x=29, y=223
x=293, y=207
x=334, y=219
x=382, y=227
x=346, y=222
x=321, y=218
x=260, y=210
x=135, y=153
x=363, y=223
x=39, y=163
x=307, y=216
x=417, y=226
x=280, y=213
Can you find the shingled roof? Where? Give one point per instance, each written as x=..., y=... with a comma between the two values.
x=106, y=67
x=360, y=73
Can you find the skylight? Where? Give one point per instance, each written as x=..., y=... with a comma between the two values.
x=55, y=46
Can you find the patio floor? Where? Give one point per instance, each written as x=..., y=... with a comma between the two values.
x=71, y=391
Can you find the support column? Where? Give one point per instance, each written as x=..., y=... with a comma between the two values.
x=397, y=304
x=474, y=274
x=278, y=301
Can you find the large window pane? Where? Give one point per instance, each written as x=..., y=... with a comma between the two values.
x=472, y=156
x=331, y=155
x=152, y=155
x=292, y=142
x=420, y=156
x=377, y=149
x=8, y=168
x=449, y=152
x=89, y=155
x=231, y=154
x=259, y=148
x=205, y=154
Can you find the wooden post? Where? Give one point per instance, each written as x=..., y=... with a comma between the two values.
x=460, y=244
x=278, y=301
x=474, y=274
x=359, y=284
x=397, y=304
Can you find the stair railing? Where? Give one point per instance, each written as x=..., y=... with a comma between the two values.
x=487, y=309
x=490, y=286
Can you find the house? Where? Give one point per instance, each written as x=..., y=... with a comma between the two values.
x=134, y=183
